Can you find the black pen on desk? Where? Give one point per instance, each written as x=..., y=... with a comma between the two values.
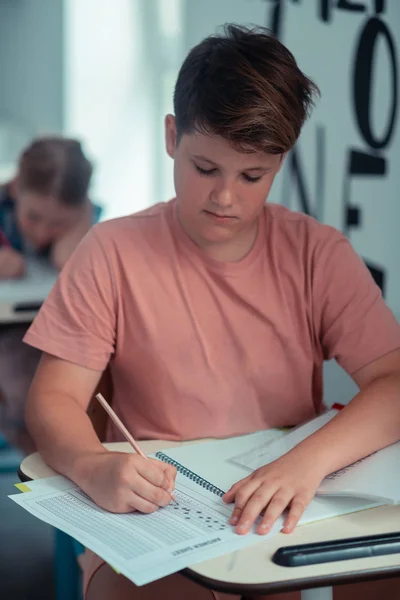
x=129, y=438
x=334, y=550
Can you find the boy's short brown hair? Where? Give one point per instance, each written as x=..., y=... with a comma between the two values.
x=245, y=86
x=56, y=166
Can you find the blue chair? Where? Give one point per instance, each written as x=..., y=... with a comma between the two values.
x=9, y=458
x=67, y=573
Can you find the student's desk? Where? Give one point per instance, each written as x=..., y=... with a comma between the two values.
x=21, y=298
x=251, y=570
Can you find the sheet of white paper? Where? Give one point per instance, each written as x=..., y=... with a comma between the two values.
x=270, y=450
x=330, y=507
x=141, y=547
x=375, y=476
x=371, y=478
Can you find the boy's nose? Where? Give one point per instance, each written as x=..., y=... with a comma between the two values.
x=223, y=196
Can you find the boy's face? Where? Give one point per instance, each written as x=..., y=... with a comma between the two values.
x=43, y=219
x=220, y=191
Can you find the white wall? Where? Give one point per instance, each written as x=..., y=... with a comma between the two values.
x=114, y=82
x=103, y=41
x=31, y=75
x=98, y=70
x=31, y=62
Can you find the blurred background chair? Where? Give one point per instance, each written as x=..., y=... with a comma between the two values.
x=9, y=458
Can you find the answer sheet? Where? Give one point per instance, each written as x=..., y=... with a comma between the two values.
x=141, y=547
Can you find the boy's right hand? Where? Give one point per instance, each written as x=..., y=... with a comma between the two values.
x=12, y=263
x=124, y=482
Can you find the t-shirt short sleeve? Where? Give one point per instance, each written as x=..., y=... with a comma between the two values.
x=77, y=322
x=352, y=321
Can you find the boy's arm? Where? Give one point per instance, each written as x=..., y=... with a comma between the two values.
x=12, y=264
x=56, y=413
x=353, y=325
x=368, y=423
x=63, y=248
x=56, y=417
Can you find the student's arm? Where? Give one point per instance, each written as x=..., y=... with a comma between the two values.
x=64, y=247
x=78, y=324
x=368, y=423
x=354, y=326
x=57, y=420
x=12, y=264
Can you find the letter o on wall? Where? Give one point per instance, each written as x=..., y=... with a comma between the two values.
x=362, y=81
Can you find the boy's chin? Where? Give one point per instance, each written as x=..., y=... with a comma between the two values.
x=217, y=235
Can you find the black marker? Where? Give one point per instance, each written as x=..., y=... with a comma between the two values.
x=345, y=549
x=27, y=307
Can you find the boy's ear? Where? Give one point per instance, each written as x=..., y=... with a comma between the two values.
x=170, y=135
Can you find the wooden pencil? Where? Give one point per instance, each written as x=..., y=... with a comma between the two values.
x=129, y=438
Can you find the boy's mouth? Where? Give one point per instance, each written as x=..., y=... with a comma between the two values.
x=218, y=217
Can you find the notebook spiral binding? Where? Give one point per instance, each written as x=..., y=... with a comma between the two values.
x=190, y=474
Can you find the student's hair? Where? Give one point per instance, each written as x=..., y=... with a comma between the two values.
x=56, y=166
x=245, y=86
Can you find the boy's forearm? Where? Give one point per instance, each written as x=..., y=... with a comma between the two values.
x=368, y=423
x=63, y=434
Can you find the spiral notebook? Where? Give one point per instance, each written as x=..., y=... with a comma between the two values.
x=207, y=463
x=210, y=466
x=207, y=485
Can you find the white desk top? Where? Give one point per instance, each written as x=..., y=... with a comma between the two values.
x=252, y=568
x=21, y=298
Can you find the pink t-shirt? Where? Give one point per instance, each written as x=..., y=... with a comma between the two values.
x=199, y=348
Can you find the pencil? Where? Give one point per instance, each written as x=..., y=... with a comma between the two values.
x=123, y=430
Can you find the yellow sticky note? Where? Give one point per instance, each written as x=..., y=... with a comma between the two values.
x=22, y=487
x=116, y=570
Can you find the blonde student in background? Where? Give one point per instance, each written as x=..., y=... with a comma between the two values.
x=214, y=313
x=44, y=213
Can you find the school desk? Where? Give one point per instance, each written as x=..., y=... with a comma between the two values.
x=251, y=571
x=20, y=299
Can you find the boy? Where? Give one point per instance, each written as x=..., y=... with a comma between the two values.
x=214, y=313
x=44, y=212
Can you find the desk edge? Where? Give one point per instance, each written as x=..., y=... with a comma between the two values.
x=291, y=585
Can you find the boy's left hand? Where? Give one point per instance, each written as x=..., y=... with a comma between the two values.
x=287, y=483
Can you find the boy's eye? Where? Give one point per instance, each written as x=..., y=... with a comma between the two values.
x=205, y=171
x=251, y=179
x=210, y=172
